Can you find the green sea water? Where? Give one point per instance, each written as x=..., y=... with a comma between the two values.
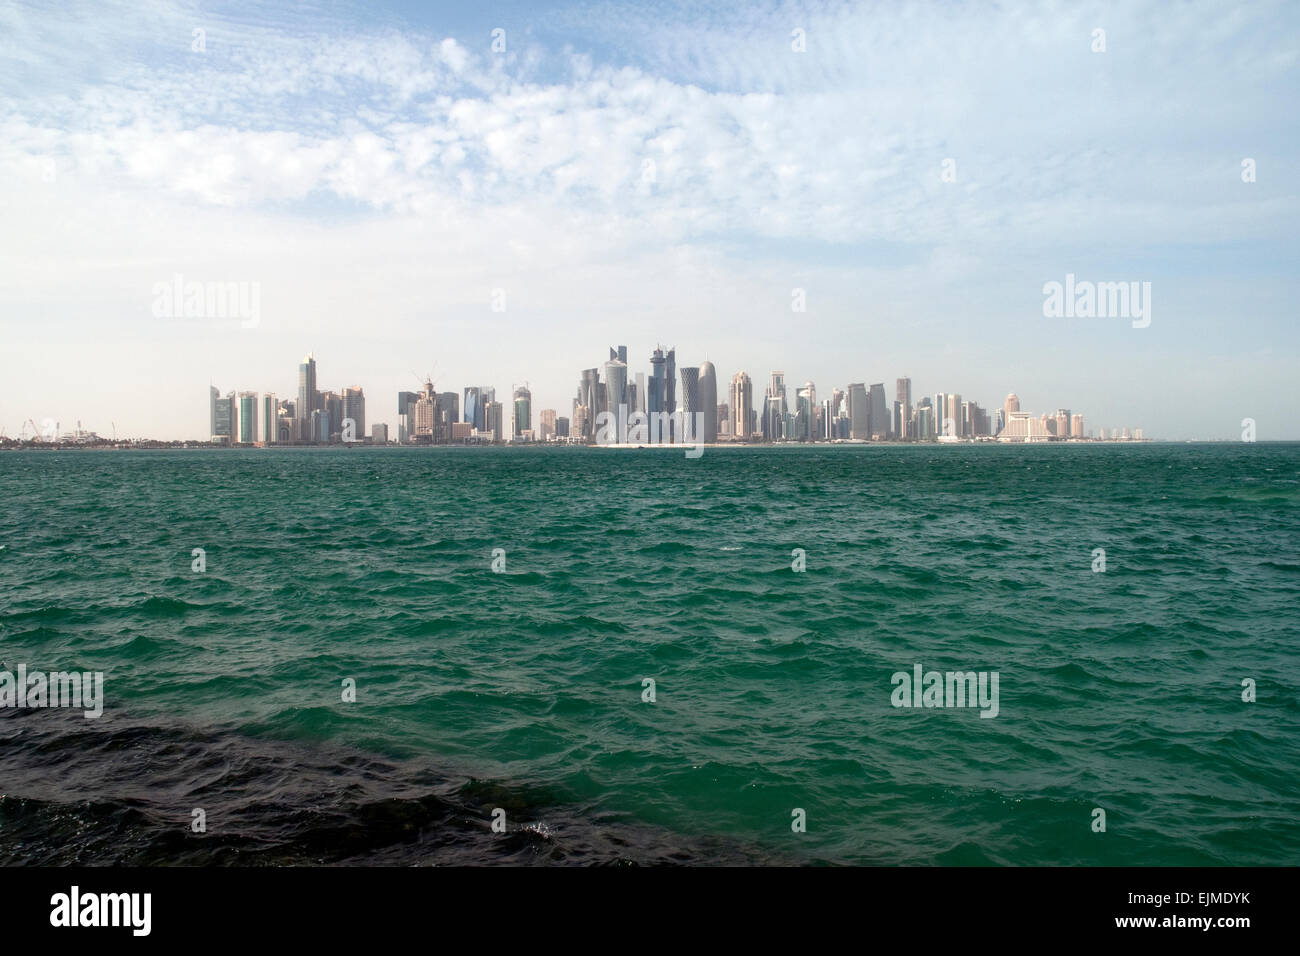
x=1119, y=689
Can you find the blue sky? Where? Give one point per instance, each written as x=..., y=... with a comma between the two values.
x=650, y=173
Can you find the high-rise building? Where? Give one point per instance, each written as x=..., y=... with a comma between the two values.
x=1076, y=426
x=591, y=396
x=493, y=415
x=880, y=411
x=615, y=384
x=658, y=391
x=903, y=395
x=472, y=406
x=709, y=402
x=670, y=381
x=859, y=411
x=561, y=427
x=354, y=407
x=332, y=402
x=308, y=401
x=248, y=418
x=523, y=408
x=426, y=415
x=270, y=418
x=379, y=434
x=1062, y=429
x=691, y=404
x=220, y=416
x=1012, y=404
x=547, y=424
x=640, y=393
x=805, y=412
x=742, y=407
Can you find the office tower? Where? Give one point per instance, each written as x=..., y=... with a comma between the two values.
x=547, y=424
x=1076, y=426
x=926, y=429
x=406, y=416
x=903, y=395
x=332, y=403
x=640, y=393
x=270, y=419
x=826, y=424
x=742, y=407
x=859, y=411
x=805, y=405
x=879, y=412
x=221, y=416
x=670, y=381
x=691, y=404
x=446, y=412
x=247, y=418
x=307, y=395
x=523, y=410
x=354, y=407
x=999, y=421
x=561, y=427
x=658, y=392
x=379, y=434
x=426, y=414
x=615, y=385
x=472, y=407
x=590, y=397
x=722, y=422
x=494, y=415
x=897, y=424
x=952, y=424
x=214, y=398
x=618, y=354
x=317, y=426
x=1012, y=404
x=709, y=402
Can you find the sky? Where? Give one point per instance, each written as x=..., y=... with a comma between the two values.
x=410, y=193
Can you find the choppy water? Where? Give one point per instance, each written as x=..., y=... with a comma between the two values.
x=523, y=689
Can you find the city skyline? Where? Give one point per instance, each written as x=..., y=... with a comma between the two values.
x=854, y=412
x=387, y=183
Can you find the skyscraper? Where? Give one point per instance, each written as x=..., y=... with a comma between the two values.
x=247, y=418
x=523, y=400
x=589, y=399
x=880, y=413
x=655, y=399
x=307, y=396
x=903, y=395
x=354, y=407
x=805, y=406
x=446, y=414
x=709, y=402
x=859, y=411
x=742, y=407
x=406, y=415
x=270, y=419
x=473, y=407
x=615, y=384
x=546, y=424
x=691, y=404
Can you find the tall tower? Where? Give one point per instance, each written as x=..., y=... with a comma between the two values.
x=523, y=410
x=742, y=407
x=709, y=402
x=691, y=403
x=308, y=400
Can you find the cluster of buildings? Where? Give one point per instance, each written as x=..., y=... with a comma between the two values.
x=855, y=412
x=313, y=417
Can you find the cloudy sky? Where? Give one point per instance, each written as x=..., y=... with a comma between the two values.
x=650, y=173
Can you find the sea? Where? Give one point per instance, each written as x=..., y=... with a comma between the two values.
x=572, y=655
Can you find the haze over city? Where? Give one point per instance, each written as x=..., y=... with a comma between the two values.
x=848, y=194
